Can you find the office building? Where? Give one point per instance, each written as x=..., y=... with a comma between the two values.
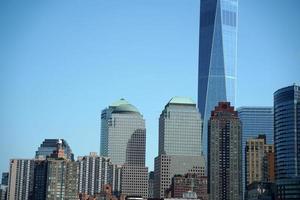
x=118, y=122
x=179, y=143
x=225, y=154
x=94, y=172
x=20, y=183
x=217, y=57
x=256, y=120
x=287, y=141
x=50, y=145
x=123, y=140
x=258, y=156
x=134, y=181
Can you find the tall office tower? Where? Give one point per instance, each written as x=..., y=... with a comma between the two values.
x=287, y=141
x=118, y=122
x=94, y=172
x=224, y=154
x=134, y=181
x=123, y=140
x=217, y=57
x=20, y=183
x=256, y=120
x=256, y=152
x=50, y=145
x=179, y=143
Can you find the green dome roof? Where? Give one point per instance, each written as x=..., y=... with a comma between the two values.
x=123, y=106
x=181, y=100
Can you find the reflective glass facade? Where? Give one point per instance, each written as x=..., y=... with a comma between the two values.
x=287, y=132
x=50, y=145
x=217, y=57
x=287, y=142
x=255, y=120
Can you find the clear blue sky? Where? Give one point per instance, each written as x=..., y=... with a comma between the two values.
x=62, y=62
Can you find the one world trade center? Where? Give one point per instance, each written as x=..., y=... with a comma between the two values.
x=217, y=57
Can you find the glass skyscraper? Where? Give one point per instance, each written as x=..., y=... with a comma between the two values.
x=217, y=57
x=256, y=120
x=287, y=141
x=50, y=145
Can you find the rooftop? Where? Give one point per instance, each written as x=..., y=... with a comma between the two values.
x=123, y=106
x=182, y=100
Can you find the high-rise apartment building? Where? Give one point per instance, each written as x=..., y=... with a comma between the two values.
x=217, y=57
x=50, y=145
x=256, y=120
x=94, y=172
x=224, y=154
x=123, y=140
x=61, y=176
x=257, y=168
x=179, y=143
x=287, y=142
x=61, y=179
x=20, y=183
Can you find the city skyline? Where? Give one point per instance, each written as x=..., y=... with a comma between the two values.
x=52, y=92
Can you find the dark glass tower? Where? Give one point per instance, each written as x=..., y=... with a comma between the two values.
x=217, y=57
x=287, y=141
x=50, y=145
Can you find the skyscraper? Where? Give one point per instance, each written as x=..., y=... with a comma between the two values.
x=61, y=176
x=123, y=140
x=20, y=183
x=179, y=143
x=50, y=145
x=134, y=181
x=287, y=141
x=256, y=120
x=217, y=57
x=224, y=154
x=118, y=122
